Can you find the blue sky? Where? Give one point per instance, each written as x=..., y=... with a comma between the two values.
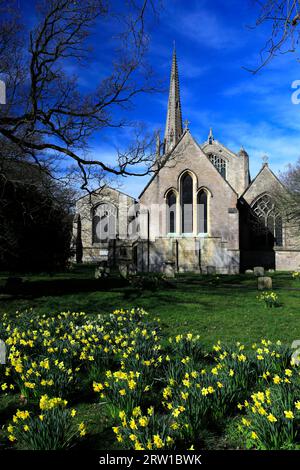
x=213, y=44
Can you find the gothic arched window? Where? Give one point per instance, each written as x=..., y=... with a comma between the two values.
x=219, y=163
x=171, y=212
x=187, y=203
x=104, y=223
x=202, y=211
x=268, y=221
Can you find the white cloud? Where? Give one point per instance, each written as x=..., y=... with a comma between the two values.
x=263, y=139
x=207, y=29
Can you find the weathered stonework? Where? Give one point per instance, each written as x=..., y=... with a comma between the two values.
x=119, y=248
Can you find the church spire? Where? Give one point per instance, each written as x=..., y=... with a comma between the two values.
x=174, y=119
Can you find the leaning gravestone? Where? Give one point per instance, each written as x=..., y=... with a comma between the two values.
x=264, y=283
x=211, y=270
x=259, y=271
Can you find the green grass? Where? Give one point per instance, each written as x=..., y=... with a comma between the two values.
x=216, y=307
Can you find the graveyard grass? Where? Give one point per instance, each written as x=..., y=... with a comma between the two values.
x=216, y=307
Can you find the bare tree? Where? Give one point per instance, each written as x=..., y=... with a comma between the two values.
x=288, y=200
x=283, y=17
x=46, y=111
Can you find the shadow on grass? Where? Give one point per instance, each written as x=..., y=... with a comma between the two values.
x=99, y=441
x=58, y=287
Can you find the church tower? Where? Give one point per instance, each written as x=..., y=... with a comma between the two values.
x=174, y=119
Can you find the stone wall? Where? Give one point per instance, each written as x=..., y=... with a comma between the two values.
x=188, y=255
x=287, y=260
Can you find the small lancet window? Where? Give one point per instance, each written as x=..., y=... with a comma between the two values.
x=171, y=212
x=202, y=211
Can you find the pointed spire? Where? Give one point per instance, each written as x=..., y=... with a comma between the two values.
x=210, y=136
x=174, y=118
x=158, y=144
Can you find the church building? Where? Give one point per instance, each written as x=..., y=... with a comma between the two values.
x=200, y=211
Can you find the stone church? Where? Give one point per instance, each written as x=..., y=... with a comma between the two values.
x=200, y=211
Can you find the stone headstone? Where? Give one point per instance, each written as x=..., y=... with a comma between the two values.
x=169, y=269
x=259, y=271
x=102, y=271
x=271, y=270
x=123, y=270
x=131, y=270
x=99, y=271
x=264, y=283
x=211, y=270
x=2, y=352
x=249, y=271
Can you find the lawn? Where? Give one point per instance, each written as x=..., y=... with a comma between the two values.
x=215, y=307
x=222, y=308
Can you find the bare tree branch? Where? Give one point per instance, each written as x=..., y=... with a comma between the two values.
x=284, y=20
x=46, y=110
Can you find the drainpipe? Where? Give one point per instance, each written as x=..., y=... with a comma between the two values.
x=148, y=239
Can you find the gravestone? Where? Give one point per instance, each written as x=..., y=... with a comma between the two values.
x=99, y=271
x=249, y=271
x=169, y=269
x=123, y=270
x=271, y=270
x=264, y=283
x=211, y=270
x=2, y=352
x=102, y=270
x=131, y=270
x=259, y=271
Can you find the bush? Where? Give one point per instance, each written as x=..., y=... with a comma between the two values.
x=150, y=281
